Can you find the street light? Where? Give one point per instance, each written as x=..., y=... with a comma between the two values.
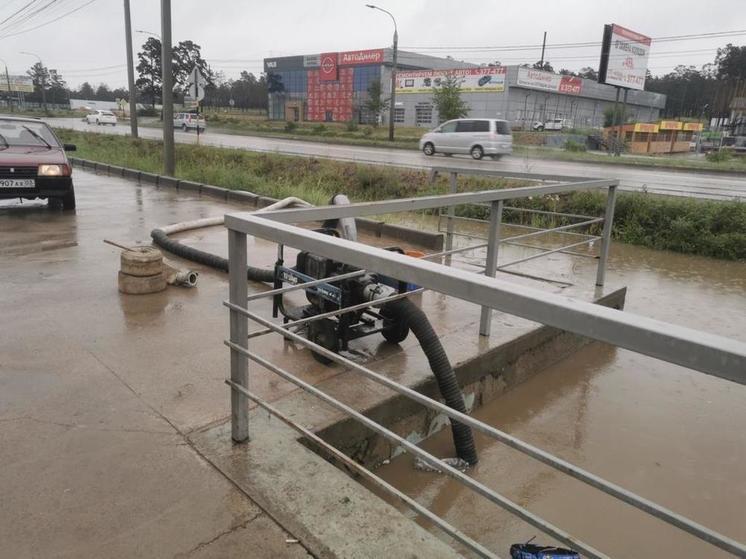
x=393, y=71
x=43, y=72
x=148, y=33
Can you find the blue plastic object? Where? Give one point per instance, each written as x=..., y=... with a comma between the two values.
x=531, y=551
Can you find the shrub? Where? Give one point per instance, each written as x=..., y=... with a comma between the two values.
x=318, y=128
x=718, y=156
x=290, y=126
x=572, y=145
x=351, y=126
x=367, y=131
x=148, y=111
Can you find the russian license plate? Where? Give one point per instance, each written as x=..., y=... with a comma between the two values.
x=17, y=183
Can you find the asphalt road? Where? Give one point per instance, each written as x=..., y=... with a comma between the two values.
x=656, y=181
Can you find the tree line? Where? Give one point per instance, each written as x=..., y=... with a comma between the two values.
x=246, y=92
x=690, y=91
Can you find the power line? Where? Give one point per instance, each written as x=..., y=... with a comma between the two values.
x=11, y=16
x=586, y=44
x=68, y=13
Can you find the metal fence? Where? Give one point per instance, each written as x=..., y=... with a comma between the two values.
x=701, y=351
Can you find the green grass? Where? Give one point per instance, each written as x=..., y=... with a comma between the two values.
x=703, y=227
x=661, y=161
x=277, y=176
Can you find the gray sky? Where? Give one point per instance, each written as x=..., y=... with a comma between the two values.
x=236, y=34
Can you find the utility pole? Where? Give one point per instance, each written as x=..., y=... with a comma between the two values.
x=169, y=165
x=392, y=108
x=543, y=47
x=7, y=81
x=130, y=69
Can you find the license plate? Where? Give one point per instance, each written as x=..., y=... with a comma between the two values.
x=17, y=183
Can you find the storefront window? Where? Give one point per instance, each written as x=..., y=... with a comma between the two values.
x=399, y=115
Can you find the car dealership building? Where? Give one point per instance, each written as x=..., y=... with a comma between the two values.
x=333, y=87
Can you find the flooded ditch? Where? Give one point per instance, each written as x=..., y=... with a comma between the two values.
x=669, y=434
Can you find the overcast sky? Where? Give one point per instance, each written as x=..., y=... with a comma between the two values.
x=236, y=35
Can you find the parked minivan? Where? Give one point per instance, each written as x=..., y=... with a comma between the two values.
x=475, y=136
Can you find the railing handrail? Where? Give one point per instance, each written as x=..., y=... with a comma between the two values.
x=322, y=213
x=702, y=351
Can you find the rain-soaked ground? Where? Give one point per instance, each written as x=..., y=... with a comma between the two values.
x=667, y=433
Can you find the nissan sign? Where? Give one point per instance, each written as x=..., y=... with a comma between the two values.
x=328, y=67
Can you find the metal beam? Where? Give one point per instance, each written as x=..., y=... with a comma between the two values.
x=708, y=353
x=322, y=213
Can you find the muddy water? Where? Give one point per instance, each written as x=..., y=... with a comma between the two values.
x=667, y=433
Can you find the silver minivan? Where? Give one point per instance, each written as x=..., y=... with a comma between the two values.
x=475, y=136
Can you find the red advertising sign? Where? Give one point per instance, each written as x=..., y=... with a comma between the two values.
x=329, y=101
x=328, y=67
x=570, y=84
x=358, y=57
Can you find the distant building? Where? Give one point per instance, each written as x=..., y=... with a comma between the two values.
x=333, y=87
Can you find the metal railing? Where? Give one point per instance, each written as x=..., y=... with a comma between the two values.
x=701, y=351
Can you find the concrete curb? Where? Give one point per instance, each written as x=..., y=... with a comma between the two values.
x=378, y=228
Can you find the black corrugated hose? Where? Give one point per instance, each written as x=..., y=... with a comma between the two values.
x=161, y=239
x=414, y=317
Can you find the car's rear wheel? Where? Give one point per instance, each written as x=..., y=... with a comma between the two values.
x=477, y=152
x=428, y=149
x=68, y=200
x=183, y=127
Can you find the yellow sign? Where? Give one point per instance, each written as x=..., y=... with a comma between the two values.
x=646, y=127
x=693, y=126
x=670, y=125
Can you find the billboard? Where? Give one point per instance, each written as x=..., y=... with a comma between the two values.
x=360, y=57
x=328, y=66
x=488, y=79
x=329, y=100
x=671, y=125
x=17, y=83
x=547, y=81
x=646, y=128
x=624, y=57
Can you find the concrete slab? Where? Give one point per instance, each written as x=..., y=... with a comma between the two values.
x=333, y=514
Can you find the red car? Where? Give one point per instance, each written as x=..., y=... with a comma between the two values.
x=33, y=163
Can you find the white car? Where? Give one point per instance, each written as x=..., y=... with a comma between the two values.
x=101, y=117
x=552, y=124
x=476, y=136
x=189, y=121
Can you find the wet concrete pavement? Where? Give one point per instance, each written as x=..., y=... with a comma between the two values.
x=97, y=391
x=669, y=434
x=659, y=181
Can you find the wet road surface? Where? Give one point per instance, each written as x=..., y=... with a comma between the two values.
x=657, y=181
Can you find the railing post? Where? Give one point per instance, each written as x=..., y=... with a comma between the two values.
x=239, y=332
x=493, y=244
x=606, y=236
x=451, y=213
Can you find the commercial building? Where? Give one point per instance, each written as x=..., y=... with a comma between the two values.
x=666, y=136
x=333, y=87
